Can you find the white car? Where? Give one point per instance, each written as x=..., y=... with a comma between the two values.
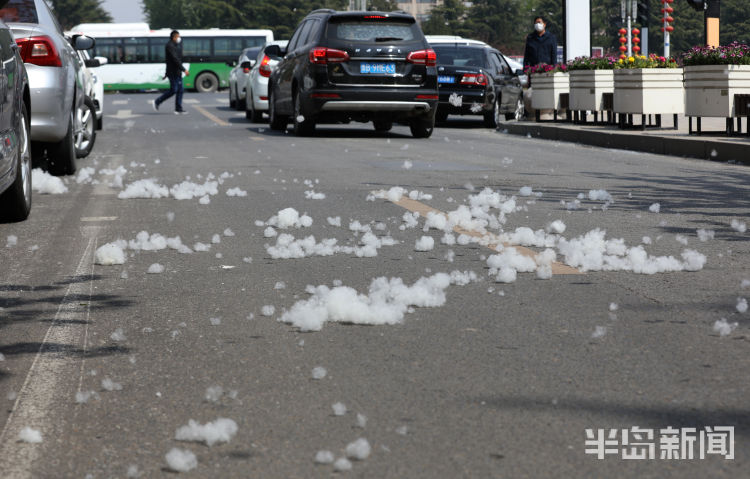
x=257, y=83
x=238, y=77
x=90, y=115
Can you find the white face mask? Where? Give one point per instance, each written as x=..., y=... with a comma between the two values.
x=179, y=40
x=539, y=27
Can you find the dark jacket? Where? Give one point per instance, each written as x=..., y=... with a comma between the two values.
x=540, y=49
x=174, y=59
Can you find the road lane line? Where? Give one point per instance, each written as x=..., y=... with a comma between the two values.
x=492, y=241
x=211, y=116
x=47, y=383
x=94, y=219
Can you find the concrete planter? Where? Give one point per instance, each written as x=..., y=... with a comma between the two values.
x=710, y=89
x=649, y=91
x=587, y=88
x=546, y=89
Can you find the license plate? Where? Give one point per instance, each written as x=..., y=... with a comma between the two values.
x=377, y=68
x=446, y=79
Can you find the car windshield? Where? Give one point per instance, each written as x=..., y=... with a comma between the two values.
x=372, y=31
x=19, y=11
x=460, y=56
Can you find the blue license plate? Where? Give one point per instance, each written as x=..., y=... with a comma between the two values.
x=377, y=68
x=446, y=79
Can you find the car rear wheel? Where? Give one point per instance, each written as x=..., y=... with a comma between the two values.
x=241, y=105
x=382, y=126
x=62, y=155
x=519, y=113
x=232, y=101
x=251, y=113
x=491, y=117
x=276, y=122
x=85, y=128
x=16, y=200
x=304, y=124
x=422, y=127
x=206, y=83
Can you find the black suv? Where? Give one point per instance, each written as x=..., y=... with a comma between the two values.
x=354, y=66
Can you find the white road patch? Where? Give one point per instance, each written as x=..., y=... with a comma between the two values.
x=118, y=335
x=268, y=310
x=705, y=235
x=324, y=457
x=155, y=268
x=181, y=460
x=236, y=192
x=220, y=430
x=109, y=254
x=319, y=372
x=11, y=241
x=145, y=188
x=339, y=409
x=289, y=218
x=387, y=301
x=724, y=328
x=655, y=208
x=312, y=195
x=109, y=385
x=425, y=243
x=342, y=464
x=599, y=332
x=30, y=435
x=741, y=305
x=739, y=226
x=358, y=450
x=46, y=184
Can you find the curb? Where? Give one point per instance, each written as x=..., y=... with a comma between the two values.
x=701, y=148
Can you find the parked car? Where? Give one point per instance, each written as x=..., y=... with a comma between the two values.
x=354, y=66
x=475, y=79
x=256, y=96
x=90, y=115
x=15, y=143
x=238, y=77
x=97, y=86
x=55, y=77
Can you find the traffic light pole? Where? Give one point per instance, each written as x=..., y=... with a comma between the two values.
x=711, y=22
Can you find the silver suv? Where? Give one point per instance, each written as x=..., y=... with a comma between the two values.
x=55, y=79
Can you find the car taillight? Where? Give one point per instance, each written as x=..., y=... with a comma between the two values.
x=474, y=79
x=427, y=97
x=39, y=51
x=423, y=57
x=322, y=55
x=245, y=70
x=265, y=68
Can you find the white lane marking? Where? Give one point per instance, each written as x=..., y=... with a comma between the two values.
x=223, y=100
x=191, y=101
x=94, y=219
x=48, y=382
x=125, y=115
x=120, y=102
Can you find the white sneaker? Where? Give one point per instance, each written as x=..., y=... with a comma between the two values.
x=154, y=105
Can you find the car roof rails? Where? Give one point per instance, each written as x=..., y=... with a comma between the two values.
x=323, y=10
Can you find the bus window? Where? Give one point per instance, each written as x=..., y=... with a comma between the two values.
x=227, y=47
x=157, y=48
x=254, y=42
x=136, y=50
x=110, y=48
x=196, y=48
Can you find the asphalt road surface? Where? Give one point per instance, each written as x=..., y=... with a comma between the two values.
x=500, y=381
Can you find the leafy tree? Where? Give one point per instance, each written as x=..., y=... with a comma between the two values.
x=383, y=5
x=73, y=12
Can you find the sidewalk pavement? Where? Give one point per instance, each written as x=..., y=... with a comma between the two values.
x=712, y=145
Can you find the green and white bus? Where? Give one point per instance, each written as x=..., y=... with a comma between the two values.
x=135, y=54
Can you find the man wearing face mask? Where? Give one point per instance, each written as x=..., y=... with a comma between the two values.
x=541, y=46
x=175, y=69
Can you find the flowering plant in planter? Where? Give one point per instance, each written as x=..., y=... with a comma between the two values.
x=592, y=63
x=651, y=61
x=733, y=54
x=546, y=68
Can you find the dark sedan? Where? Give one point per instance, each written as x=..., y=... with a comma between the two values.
x=475, y=79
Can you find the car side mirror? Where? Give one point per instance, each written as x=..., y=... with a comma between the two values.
x=519, y=72
x=82, y=42
x=92, y=63
x=273, y=51
x=246, y=64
